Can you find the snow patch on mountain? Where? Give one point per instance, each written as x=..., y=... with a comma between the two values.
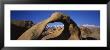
x=88, y=25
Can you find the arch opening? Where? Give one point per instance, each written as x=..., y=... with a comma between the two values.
x=52, y=28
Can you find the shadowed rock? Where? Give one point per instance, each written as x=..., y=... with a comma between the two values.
x=71, y=31
x=18, y=27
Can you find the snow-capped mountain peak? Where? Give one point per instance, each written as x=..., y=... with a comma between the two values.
x=88, y=25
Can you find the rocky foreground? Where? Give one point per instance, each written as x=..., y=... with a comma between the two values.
x=87, y=33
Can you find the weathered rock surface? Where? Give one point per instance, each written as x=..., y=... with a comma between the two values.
x=71, y=31
x=90, y=33
x=18, y=27
x=22, y=23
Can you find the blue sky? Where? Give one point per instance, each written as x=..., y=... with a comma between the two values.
x=79, y=16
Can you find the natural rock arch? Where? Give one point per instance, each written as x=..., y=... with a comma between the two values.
x=71, y=30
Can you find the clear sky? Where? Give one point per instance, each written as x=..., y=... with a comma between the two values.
x=79, y=16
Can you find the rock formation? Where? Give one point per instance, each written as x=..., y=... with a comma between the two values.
x=22, y=23
x=90, y=33
x=71, y=31
x=18, y=27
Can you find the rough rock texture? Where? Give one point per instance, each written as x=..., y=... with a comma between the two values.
x=53, y=33
x=22, y=23
x=18, y=27
x=90, y=33
x=71, y=31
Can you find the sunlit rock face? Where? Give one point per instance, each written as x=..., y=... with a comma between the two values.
x=41, y=31
x=90, y=32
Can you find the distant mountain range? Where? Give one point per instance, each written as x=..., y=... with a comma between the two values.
x=55, y=25
x=88, y=26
